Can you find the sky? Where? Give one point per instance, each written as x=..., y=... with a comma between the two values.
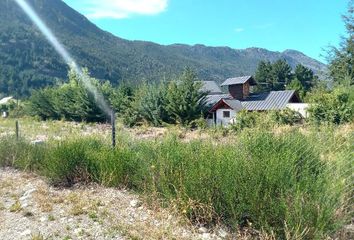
x=309, y=26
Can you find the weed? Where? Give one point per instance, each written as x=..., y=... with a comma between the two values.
x=37, y=236
x=51, y=218
x=16, y=207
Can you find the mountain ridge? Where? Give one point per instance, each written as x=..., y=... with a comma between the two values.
x=27, y=58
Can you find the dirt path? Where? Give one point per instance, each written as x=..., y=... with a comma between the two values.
x=31, y=209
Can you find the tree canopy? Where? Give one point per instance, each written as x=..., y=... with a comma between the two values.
x=341, y=59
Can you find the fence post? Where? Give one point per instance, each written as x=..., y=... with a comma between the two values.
x=17, y=131
x=113, y=122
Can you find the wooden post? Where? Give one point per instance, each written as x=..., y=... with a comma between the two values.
x=17, y=131
x=113, y=123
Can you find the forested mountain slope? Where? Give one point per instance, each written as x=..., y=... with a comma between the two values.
x=27, y=61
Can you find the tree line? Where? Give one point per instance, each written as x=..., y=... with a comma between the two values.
x=280, y=76
x=180, y=101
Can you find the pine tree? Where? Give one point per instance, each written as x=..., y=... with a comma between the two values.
x=305, y=76
x=281, y=75
x=185, y=100
x=263, y=76
x=341, y=60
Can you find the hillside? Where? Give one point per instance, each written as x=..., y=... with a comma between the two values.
x=27, y=61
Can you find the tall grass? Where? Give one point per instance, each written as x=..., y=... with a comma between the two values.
x=293, y=184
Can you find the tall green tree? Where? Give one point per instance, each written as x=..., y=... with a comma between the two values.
x=296, y=85
x=263, y=76
x=273, y=76
x=280, y=75
x=184, y=99
x=341, y=59
x=305, y=76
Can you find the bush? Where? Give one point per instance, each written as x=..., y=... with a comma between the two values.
x=245, y=119
x=334, y=107
x=286, y=116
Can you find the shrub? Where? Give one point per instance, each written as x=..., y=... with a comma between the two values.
x=334, y=107
x=286, y=116
x=70, y=161
x=245, y=119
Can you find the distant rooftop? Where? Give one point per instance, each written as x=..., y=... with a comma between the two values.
x=239, y=80
x=211, y=87
x=212, y=99
x=234, y=104
x=5, y=100
x=274, y=100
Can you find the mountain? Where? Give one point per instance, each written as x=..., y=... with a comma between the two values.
x=27, y=60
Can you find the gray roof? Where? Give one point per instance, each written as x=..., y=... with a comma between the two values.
x=274, y=100
x=234, y=104
x=6, y=100
x=211, y=87
x=212, y=99
x=237, y=80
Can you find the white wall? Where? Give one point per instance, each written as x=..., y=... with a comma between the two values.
x=300, y=108
x=220, y=120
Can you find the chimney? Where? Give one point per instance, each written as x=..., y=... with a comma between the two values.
x=239, y=91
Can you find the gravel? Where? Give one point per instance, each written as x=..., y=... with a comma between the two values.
x=32, y=209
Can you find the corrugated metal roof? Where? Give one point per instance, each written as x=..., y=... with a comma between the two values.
x=211, y=87
x=237, y=80
x=212, y=99
x=274, y=100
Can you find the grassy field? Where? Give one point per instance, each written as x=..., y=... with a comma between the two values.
x=290, y=182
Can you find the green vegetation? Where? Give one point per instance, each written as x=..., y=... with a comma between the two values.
x=341, y=59
x=289, y=183
x=70, y=101
x=336, y=106
x=179, y=101
x=279, y=76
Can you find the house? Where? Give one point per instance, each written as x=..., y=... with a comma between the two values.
x=224, y=107
x=4, y=102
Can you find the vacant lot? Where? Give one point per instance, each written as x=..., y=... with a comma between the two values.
x=286, y=182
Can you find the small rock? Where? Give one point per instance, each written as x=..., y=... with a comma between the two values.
x=43, y=219
x=222, y=233
x=27, y=194
x=78, y=231
x=24, y=205
x=135, y=203
x=206, y=236
x=202, y=230
x=26, y=232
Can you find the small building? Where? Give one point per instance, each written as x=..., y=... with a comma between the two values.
x=4, y=103
x=224, y=107
x=6, y=100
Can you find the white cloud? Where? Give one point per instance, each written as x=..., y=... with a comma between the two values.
x=120, y=8
x=239, y=30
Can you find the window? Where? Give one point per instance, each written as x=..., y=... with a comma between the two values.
x=226, y=114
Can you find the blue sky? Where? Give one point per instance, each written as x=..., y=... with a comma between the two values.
x=305, y=25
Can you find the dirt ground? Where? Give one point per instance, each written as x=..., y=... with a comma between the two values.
x=31, y=209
